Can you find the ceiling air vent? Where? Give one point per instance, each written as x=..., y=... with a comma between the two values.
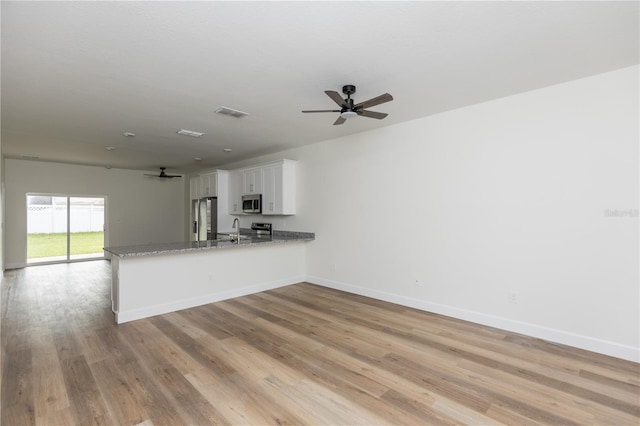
x=230, y=111
x=191, y=133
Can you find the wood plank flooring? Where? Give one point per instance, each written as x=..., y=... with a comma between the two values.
x=300, y=354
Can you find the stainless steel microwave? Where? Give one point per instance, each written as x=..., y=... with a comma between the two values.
x=252, y=203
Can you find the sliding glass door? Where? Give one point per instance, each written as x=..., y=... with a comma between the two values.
x=62, y=228
x=86, y=232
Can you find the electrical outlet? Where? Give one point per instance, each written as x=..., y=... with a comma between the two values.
x=512, y=298
x=418, y=282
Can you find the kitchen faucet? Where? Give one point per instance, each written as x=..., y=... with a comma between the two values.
x=236, y=220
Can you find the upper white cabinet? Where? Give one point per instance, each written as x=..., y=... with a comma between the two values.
x=209, y=185
x=203, y=186
x=236, y=190
x=252, y=181
x=279, y=195
x=276, y=182
x=195, y=183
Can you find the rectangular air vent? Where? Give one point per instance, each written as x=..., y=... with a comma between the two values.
x=232, y=112
x=189, y=133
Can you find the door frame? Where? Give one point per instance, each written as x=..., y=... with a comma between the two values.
x=68, y=259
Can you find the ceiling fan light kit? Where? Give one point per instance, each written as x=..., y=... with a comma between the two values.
x=349, y=110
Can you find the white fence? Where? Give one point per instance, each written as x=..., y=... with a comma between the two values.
x=48, y=219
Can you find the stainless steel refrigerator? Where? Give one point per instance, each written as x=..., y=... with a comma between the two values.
x=204, y=218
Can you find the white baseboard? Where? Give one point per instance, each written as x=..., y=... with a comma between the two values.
x=605, y=347
x=14, y=266
x=135, y=314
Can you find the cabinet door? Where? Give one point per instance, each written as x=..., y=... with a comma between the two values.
x=195, y=184
x=236, y=187
x=285, y=178
x=279, y=189
x=269, y=203
x=253, y=181
x=209, y=185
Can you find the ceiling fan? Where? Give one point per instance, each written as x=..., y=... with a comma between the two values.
x=163, y=175
x=348, y=109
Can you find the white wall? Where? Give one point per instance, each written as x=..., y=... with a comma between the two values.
x=453, y=213
x=140, y=209
x=2, y=262
x=1, y=211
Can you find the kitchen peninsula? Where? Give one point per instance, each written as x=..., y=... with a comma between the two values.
x=154, y=279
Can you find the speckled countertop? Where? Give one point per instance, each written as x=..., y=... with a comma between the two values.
x=278, y=237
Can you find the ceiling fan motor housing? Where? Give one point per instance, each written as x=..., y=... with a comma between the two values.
x=348, y=104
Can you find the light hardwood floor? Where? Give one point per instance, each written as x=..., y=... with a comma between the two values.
x=301, y=354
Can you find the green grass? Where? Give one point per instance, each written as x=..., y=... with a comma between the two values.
x=52, y=245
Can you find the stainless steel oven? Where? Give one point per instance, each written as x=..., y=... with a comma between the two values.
x=252, y=203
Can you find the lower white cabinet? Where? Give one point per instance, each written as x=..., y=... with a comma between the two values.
x=279, y=183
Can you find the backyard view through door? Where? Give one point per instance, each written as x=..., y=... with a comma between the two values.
x=61, y=228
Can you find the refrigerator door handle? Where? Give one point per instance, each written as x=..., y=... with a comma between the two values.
x=195, y=226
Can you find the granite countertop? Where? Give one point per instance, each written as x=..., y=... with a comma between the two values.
x=248, y=239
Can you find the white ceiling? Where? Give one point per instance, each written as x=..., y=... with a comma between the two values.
x=76, y=75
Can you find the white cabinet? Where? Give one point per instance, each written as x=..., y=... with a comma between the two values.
x=195, y=183
x=279, y=195
x=252, y=181
x=236, y=189
x=275, y=181
x=203, y=186
x=209, y=185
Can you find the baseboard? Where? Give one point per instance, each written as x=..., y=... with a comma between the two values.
x=605, y=347
x=135, y=314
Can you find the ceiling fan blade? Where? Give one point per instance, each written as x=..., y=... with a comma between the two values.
x=340, y=120
x=336, y=97
x=163, y=174
x=374, y=101
x=372, y=114
x=323, y=110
